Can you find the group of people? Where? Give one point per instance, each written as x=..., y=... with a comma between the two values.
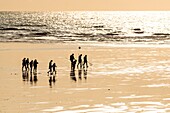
x=81, y=63
x=32, y=65
x=52, y=67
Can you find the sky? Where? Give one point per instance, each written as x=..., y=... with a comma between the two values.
x=84, y=5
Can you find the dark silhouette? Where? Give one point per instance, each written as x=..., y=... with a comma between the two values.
x=85, y=62
x=35, y=77
x=50, y=66
x=35, y=65
x=31, y=65
x=79, y=61
x=27, y=64
x=54, y=66
x=25, y=75
x=85, y=74
x=24, y=64
x=80, y=74
x=52, y=78
x=72, y=75
x=74, y=65
x=50, y=81
x=72, y=60
x=31, y=80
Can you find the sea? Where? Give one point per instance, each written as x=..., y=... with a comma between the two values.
x=114, y=27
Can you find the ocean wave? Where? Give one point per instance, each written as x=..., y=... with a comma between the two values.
x=162, y=34
x=40, y=34
x=30, y=25
x=13, y=28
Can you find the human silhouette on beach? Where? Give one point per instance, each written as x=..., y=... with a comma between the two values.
x=24, y=64
x=35, y=65
x=27, y=64
x=85, y=62
x=54, y=67
x=72, y=60
x=50, y=66
x=79, y=61
x=31, y=65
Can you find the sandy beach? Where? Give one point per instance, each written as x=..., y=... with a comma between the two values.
x=120, y=79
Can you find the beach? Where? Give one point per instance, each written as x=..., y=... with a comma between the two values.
x=120, y=78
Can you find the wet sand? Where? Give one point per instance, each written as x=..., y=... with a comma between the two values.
x=120, y=79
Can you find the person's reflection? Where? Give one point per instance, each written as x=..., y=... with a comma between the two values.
x=31, y=80
x=25, y=75
x=72, y=75
x=35, y=77
x=50, y=81
x=85, y=73
x=52, y=78
x=80, y=73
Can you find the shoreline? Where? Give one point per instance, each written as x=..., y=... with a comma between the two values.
x=93, y=44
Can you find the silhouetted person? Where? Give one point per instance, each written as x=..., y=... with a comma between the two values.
x=27, y=63
x=85, y=62
x=31, y=65
x=74, y=64
x=54, y=66
x=50, y=66
x=72, y=59
x=79, y=61
x=24, y=64
x=72, y=75
x=35, y=65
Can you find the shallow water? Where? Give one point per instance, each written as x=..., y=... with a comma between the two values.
x=124, y=79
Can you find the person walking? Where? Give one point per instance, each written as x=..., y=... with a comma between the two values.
x=85, y=62
x=72, y=60
x=23, y=64
x=79, y=61
x=31, y=65
x=35, y=65
x=54, y=66
x=50, y=66
x=27, y=64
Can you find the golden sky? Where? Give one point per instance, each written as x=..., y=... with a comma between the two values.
x=85, y=5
